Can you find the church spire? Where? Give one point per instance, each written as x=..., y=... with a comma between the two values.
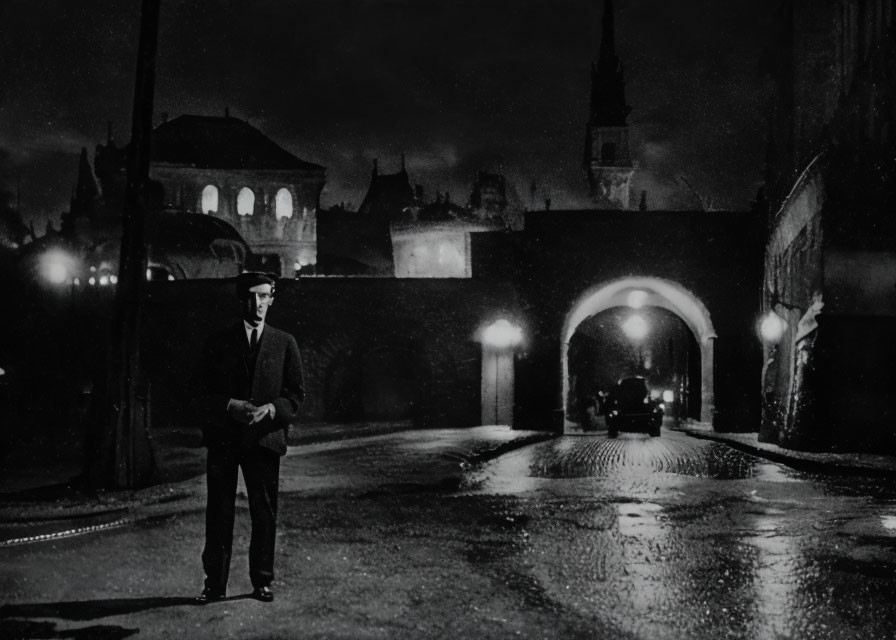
x=84, y=196
x=608, y=106
x=607, y=161
x=608, y=38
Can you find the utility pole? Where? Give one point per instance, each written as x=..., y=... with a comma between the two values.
x=128, y=394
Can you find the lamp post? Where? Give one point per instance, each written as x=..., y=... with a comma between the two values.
x=498, y=342
x=124, y=457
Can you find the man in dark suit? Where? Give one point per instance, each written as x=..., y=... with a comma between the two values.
x=251, y=390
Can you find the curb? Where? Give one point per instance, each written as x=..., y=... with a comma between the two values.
x=506, y=447
x=796, y=460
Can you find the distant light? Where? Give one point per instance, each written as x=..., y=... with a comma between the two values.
x=635, y=327
x=113, y=279
x=772, y=327
x=104, y=280
x=636, y=299
x=77, y=282
x=56, y=273
x=502, y=334
x=57, y=266
x=93, y=269
x=92, y=281
x=668, y=395
x=170, y=278
x=149, y=274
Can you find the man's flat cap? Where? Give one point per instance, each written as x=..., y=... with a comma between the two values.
x=249, y=279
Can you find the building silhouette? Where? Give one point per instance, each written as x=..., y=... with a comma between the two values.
x=830, y=268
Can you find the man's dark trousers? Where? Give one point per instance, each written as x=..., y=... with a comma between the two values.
x=261, y=470
x=271, y=373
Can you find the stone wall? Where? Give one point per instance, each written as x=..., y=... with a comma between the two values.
x=371, y=348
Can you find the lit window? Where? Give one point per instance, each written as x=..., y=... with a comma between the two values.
x=283, y=204
x=210, y=199
x=245, y=202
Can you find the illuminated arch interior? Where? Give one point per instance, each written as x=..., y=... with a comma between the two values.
x=660, y=293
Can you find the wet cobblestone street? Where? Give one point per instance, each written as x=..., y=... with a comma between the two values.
x=680, y=538
x=575, y=537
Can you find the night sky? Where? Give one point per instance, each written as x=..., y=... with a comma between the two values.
x=458, y=85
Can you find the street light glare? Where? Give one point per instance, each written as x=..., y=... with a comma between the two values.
x=502, y=334
x=55, y=267
x=57, y=273
x=635, y=327
x=772, y=327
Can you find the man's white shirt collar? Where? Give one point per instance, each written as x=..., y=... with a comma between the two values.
x=248, y=327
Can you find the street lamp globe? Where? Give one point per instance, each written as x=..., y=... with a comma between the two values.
x=56, y=267
x=502, y=334
x=772, y=327
x=57, y=273
x=635, y=327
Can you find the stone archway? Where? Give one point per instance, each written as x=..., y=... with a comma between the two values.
x=660, y=293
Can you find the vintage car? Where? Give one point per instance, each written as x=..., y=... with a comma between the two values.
x=630, y=408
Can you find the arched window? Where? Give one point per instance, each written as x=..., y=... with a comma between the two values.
x=245, y=202
x=210, y=199
x=283, y=204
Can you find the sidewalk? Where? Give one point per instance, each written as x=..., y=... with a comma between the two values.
x=61, y=510
x=834, y=463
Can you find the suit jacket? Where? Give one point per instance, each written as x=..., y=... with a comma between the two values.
x=277, y=379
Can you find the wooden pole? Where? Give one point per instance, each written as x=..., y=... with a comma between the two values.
x=129, y=393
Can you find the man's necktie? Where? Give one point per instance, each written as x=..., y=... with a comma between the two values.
x=253, y=340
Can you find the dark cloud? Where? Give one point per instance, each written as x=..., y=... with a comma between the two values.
x=458, y=85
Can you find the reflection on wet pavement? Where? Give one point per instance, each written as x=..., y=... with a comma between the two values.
x=674, y=537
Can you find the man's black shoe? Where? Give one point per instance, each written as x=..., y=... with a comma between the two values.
x=264, y=594
x=210, y=595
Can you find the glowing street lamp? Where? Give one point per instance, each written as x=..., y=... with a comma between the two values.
x=57, y=267
x=635, y=327
x=500, y=338
x=502, y=334
x=772, y=327
x=56, y=273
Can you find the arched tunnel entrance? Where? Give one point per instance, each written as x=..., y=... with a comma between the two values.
x=641, y=326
